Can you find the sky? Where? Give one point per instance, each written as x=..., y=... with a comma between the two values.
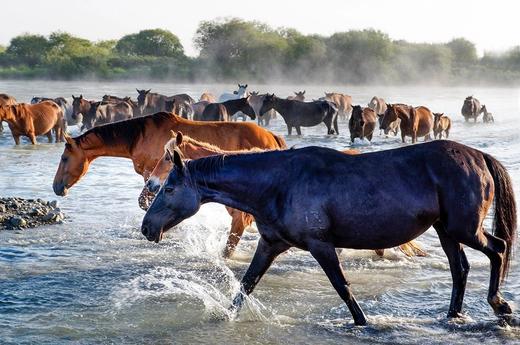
x=491, y=25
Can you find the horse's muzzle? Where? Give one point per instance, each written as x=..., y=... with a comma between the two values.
x=152, y=236
x=60, y=189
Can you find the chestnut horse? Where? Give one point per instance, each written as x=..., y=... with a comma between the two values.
x=415, y=122
x=193, y=149
x=343, y=102
x=5, y=99
x=31, y=120
x=383, y=203
x=362, y=123
x=441, y=123
x=298, y=96
x=142, y=140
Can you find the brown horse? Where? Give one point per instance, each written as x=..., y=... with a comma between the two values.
x=151, y=103
x=298, y=96
x=31, y=120
x=415, y=122
x=80, y=107
x=208, y=97
x=362, y=123
x=343, y=102
x=114, y=99
x=225, y=110
x=5, y=99
x=106, y=112
x=441, y=123
x=142, y=140
x=194, y=149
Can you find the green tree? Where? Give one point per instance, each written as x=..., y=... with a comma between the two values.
x=463, y=51
x=28, y=49
x=157, y=42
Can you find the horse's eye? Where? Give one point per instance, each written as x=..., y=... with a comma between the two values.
x=167, y=158
x=64, y=159
x=168, y=190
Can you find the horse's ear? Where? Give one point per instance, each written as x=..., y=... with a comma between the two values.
x=81, y=96
x=178, y=138
x=68, y=139
x=239, y=86
x=303, y=93
x=173, y=134
x=138, y=91
x=245, y=86
x=148, y=91
x=177, y=160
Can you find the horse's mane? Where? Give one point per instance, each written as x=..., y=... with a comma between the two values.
x=126, y=132
x=172, y=144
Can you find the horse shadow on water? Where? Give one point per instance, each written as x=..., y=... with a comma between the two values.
x=442, y=184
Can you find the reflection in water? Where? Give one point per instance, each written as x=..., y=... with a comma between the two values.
x=95, y=279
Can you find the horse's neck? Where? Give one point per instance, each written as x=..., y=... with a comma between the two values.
x=96, y=148
x=233, y=106
x=280, y=105
x=234, y=184
x=404, y=115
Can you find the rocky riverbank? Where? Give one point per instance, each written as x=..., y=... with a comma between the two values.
x=18, y=213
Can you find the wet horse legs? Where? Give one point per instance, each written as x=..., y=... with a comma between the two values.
x=326, y=256
x=459, y=267
x=265, y=254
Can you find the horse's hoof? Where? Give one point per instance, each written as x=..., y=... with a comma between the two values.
x=361, y=321
x=503, y=309
x=452, y=314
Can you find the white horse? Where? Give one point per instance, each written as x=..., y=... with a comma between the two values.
x=240, y=93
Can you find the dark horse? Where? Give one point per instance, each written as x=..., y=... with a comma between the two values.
x=223, y=111
x=302, y=199
x=303, y=114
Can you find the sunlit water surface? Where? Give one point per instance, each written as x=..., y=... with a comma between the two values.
x=96, y=279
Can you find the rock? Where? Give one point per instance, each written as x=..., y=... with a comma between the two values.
x=36, y=212
x=53, y=203
x=2, y=208
x=17, y=222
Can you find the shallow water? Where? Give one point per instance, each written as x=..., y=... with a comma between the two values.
x=95, y=278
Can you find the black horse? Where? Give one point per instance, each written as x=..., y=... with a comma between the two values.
x=303, y=114
x=310, y=198
x=225, y=110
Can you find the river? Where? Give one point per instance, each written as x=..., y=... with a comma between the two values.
x=96, y=279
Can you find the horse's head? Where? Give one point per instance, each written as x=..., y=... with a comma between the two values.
x=268, y=103
x=73, y=165
x=242, y=90
x=177, y=200
x=389, y=117
x=78, y=104
x=142, y=99
x=247, y=108
x=356, y=123
x=437, y=119
x=165, y=164
x=299, y=95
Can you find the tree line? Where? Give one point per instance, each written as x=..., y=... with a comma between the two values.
x=238, y=50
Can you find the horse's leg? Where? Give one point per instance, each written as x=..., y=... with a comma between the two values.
x=49, y=135
x=32, y=137
x=403, y=137
x=298, y=130
x=16, y=138
x=326, y=256
x=447, y=133
x=336, y=125
x=459, y=267
x=264, y=255
x=239, y=222
x=289, y=129
x=494, y=248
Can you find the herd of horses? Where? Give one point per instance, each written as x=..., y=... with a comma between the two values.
x=316, y=199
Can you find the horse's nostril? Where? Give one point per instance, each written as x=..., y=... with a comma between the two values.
x=144, y=230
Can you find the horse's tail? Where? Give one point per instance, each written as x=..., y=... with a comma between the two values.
x=504, y=222
x=280, y=141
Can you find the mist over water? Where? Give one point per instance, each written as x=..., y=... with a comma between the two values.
x=96, y=279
